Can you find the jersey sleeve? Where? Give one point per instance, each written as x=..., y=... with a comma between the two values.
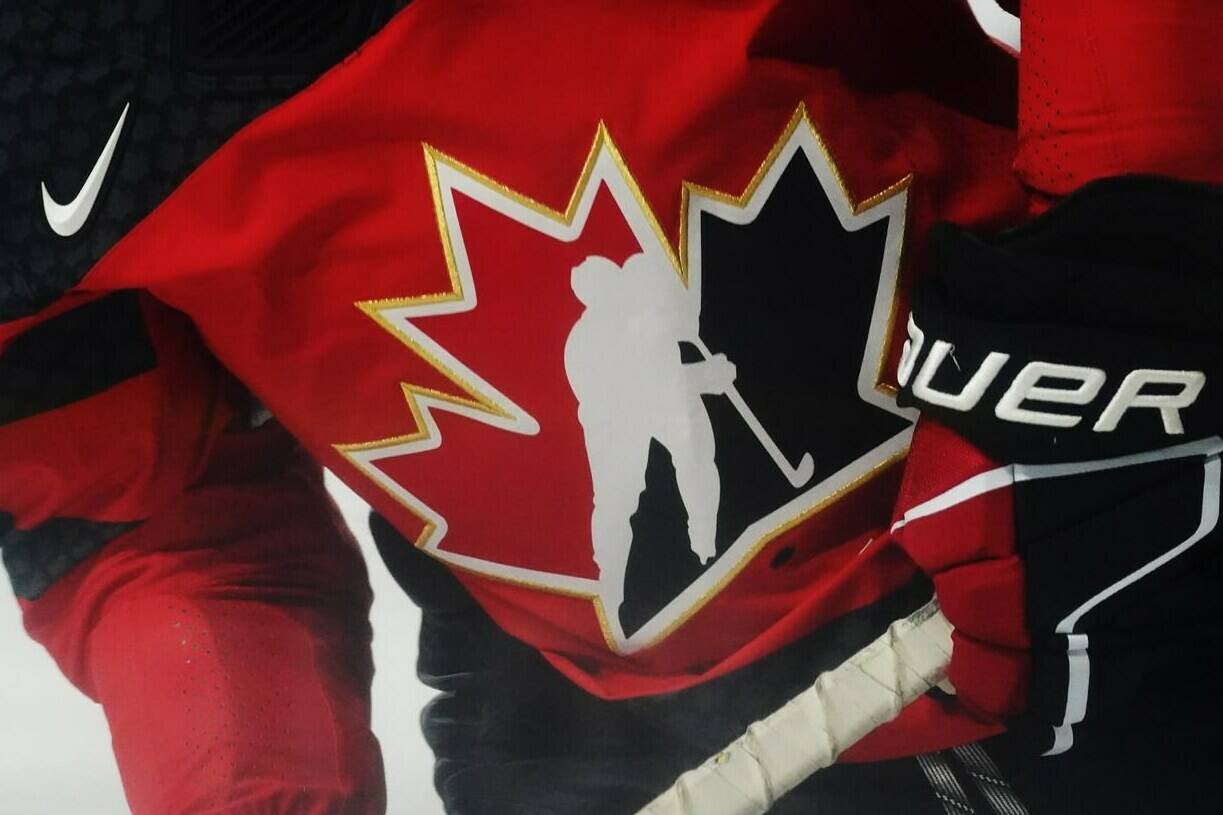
x=1114, y=88
x=184, y=569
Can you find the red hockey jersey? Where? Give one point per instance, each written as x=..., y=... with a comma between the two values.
x=598, y=306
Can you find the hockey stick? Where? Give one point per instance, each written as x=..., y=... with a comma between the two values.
x=797, y=476
x=811, y=730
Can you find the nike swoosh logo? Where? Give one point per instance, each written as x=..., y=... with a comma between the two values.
x=67, y=219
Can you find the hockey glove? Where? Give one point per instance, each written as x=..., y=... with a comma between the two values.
x=1063, y=486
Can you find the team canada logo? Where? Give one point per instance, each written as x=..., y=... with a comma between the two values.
x=633, y=389
x=630, y=420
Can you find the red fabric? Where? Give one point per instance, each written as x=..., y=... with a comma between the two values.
x=226, y=639
x=120, y=454
x=225, y=636
x=968, y=549
x=1109, y=87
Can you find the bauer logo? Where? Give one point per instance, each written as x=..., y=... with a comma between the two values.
x=1026, y=396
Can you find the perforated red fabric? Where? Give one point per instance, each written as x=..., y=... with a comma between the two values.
x=227, y=640
x=1108, y=87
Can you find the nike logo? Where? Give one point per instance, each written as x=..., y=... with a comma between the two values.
x=67, y=219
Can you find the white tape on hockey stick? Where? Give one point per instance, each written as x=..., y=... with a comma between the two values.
x=811, y=730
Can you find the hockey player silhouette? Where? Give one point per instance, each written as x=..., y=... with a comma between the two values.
x=624, y=365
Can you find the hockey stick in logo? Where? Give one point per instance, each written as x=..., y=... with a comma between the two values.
x=797, y=476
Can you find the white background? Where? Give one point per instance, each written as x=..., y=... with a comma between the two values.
x=55, y=753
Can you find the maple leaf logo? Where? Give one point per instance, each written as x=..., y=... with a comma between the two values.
x=606, y=201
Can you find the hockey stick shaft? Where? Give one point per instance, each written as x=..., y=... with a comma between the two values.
x=812, y=730
x=796, y=475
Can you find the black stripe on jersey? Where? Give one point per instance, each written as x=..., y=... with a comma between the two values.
x=36, y=558
x=193, y=72
x=74, y=356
